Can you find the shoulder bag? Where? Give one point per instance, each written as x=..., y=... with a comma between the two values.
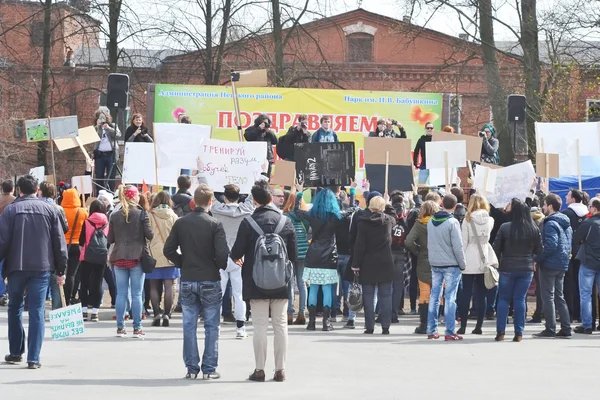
x=490, y=274
x=147, y=261
x=581, y=250
x=73, y=230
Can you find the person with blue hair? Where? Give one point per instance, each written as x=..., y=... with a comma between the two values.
x=321, y=258
x=490, y=145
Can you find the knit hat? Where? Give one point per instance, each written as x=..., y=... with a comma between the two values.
x=372, y=194
x=106, y=197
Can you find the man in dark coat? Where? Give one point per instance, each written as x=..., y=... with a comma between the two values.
x=296, y=134
x=266, y=216
x=261, y=132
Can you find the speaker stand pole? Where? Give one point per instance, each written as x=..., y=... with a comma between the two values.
x=114, y=165
x=515, y=141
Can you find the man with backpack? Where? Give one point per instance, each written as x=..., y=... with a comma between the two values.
x=265, y=247
x=577, y=212
x=204, y=253
x=400, y=255
x=181, y=199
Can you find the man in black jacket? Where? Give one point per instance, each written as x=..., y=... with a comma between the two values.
x=296, y=134
x=266, y=216
x=420, y=150
x=261, y=132
x=385, y=128
x=203, y=244
x=32, y=243
x=181, y=199
x=588, y=237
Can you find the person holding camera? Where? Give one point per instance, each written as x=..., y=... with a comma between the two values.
x=489, y=148
x=261, y=132
x=296, y=134
x=137, y=131
x=385, y=128
x=106, y=153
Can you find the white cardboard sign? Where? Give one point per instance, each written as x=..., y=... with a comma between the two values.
x=138, y=163
x=83, y=184
x=38, y=173
x=457, y=154
x=511, y=182
x=485, y=179
x=66, y=322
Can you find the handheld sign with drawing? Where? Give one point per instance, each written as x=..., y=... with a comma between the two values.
x=66, y=322
x=325, y=164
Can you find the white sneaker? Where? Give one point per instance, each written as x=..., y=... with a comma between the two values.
x=241, y=333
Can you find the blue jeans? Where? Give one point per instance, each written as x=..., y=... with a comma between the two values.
x=36, y=286
x=384, y=300
x=586, y=286
x=450, y=275
x=2, y=284
x=297, y=277
x=512, y=286
x=423, y=176
x=127, y=277
x=343, y=260
x=55, y=293
x=202, y=296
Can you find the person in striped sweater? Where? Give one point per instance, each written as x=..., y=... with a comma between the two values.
x=302, y=228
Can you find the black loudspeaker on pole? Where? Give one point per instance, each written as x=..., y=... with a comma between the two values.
x=516, y=114
x=117, y=91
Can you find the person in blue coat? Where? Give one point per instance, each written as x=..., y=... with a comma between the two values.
x=553, y=263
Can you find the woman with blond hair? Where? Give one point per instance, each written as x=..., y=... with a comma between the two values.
x=416, y=243
x=374, y=264
x=129, y=228
x=476, y=230
x=301, y=227
x=162, y=219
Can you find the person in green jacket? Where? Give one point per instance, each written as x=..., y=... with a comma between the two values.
x=416, y=243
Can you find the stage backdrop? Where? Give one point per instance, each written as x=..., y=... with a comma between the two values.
x=354, y=112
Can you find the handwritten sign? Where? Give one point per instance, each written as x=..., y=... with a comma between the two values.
x=238, y=163
x=37, y=130
x=66, y=322
x=325, y=164
x=87, y=135
x=457, y=154
x=64, y=127
x=511, y=182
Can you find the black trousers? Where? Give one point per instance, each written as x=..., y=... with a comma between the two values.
x=72, y=267
x=572, y=290
x=91, y=284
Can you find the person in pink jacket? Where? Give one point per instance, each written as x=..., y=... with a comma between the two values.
x=94, y=255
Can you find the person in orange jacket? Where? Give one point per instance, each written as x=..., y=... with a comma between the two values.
x=76, y=216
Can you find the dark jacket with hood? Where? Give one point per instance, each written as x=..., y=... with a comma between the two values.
x=516, y=255
x=416, y=243
x=322, y=251
x=557, y=238
x=267, y=217
x=459, y=213
x=373, y=249
x=255, y=134
x=181, y=202
x=323, y=136
x=32, y=238
x=577, y=213
x=588, y=235
x=413, y=214
x=285, y=145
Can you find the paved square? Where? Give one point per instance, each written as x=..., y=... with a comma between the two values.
x=342, y=364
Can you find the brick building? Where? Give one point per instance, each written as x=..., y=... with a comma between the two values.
x=354, y=50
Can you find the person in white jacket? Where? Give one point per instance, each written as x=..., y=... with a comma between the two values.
x=476, y=230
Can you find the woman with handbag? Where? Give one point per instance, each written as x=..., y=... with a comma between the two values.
x=515, y=245
x=129, y=228
x=479, y=254
x=374, y=264
x=162, y=219
x=416, y=243
x=321, y=258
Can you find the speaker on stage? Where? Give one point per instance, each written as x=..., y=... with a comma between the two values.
x=516, y=108
x=117, y=91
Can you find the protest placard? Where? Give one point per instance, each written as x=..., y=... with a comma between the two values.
x=64, y=127
x=178, y=146
x=398, y=150
x=485, y=179
x=400, y=177
x=514, y=181
x=83, y=184
x=139, y=163
x=66, y=322
x=87, y=135
x=223, y=162
x=547, y=165
x=38, y=173
x=325, y=164
x=562, y=138
x=285, y=173
x=456, y=154
x=472, y=143
x=37, y=130
x=436, y=176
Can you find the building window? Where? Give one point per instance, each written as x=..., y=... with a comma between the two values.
x=37, y=34
x=360, y=47
x=19, y=128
